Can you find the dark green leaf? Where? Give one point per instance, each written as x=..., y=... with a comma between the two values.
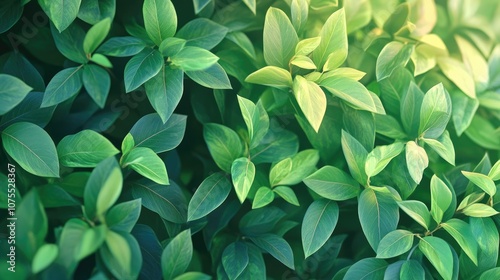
x=151, y=132
x=411, y=106
x=370, y=268
x=122, y=46
x=32, y=229
x=212, y=77
x=165, y=91
x=412, y=270
x=92, y=11
x=209, y=195
x=142, y=67
x=13, y=91
x=235, y=259
x=224, y=145
x=318, y=224
x=18, y=66
x=277, y=247
x=70, y=42
x=177, y=255
x=203, y=33
x=160, y=19
x=64, y=85
x=97, y=83
x=121, y=255
x=63, y=12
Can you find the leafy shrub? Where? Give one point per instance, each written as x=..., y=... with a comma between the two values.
x=321, y=139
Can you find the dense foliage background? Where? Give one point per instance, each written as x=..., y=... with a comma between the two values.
x=229, y=139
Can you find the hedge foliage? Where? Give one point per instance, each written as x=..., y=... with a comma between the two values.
x=229, y=139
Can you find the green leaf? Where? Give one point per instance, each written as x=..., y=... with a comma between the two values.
x=251, y=4
x=32, y=148
x=435, y=112
x=122, y=46
x=235, y=259
x=44, y=257
x=299, y=11
x=256, y=120
x=11, y=13
x=441, y=198
x=147, y=163
x=70, y=42
x=443, y=146
x=393, y=56
x=102, y=60
x=355, y=155
x=97, y=83
x=31, y=231
x=307, y=46
x=463, y=111
x=91, y=240
x=457, y=73
x=394, y=244
x=483, y=133
x=193, y=275
x=96, y=35
x=462, y=233
x=378, y=214
x=352, y=92
x=103, y=188
x=142, y=67
x=303, y=62
x=303, y=164
x=151, y=132
x=224, y=145
x=18, y=66
x=193, y=59
x=271, y=76
x=242, y=40
x=417, y=210
x=263, y=197
x=311, y=100
x=203, y=33
x=417, y=160
x=370, y=268
x=332, y=183
x=13, y=91
x=438, y=252
x=280, y=38
x=380, y=157
x=73, y=229
x=479, y=210
x=287, y=194
x=165, y=90
x=87, y=148
x=358, y=14
x=279, y=171
x=412, y=270
x=470, y=199
x=212, y=77
x=124, y=216
x=160, y=19
x=318, y=224
x=121, y=255
x=389, y=126
x=64, y=85
x=171, y=46
x=493, y=273
x=242, y=174
x=399, y=17
x=119, y=248
x=209, y=195
x=177, y=255
x=482, y=181
x=276, y=145
x=92, y=11
x=494, y=172
x=63, y=12
x=333, y=42
x=276, y=246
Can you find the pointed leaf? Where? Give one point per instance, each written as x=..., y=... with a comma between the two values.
x=332, y=183
x=160, y=19
x=147, y=163
x=438, y=252
x=209, y=195
x=280, y=38
x=394, y=244
x=177, y=255
x=318, y=224
x=242, y=174
x=141, y=68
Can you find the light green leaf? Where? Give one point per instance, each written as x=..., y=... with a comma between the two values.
x=355, y=155
x=303, y=62
x=214, y=77
x=333, y=42
x=435, y=112
x=151, y=132
x=479, y=210
x=438, y=252
x=358, y=14
x=32, y=148
x=307, y=46
x=209, y=195
x=97, y=83
x=279, y=171
x=122, y=255
x=412, y=270
x=142, y=67
x=91, y=240
x=122, y=46
x=417, y=210
x=318, y=224
x=147, y=163
x=256, y=120
x=380, y=157
x=280, y=38
x=303, y=164
x=370, y=268
x=160, y=19
x=171, y=46
x=223, y=143
x=103, y=188
x=263, y=197
x=102, y=60
x=87, y=148
x=494, y=172
x=311, y=100
x=484, y=133
x=299, y=10
x=482, y=181
x=393, y=56
x=176, y=257
x=462, y=233
x=63, y=12
x=193, y=59
x=242, y=174
x=443, y=146
x=31, y=232
x=64, y=85
x=203, y=33
x=124, y=216
x=463, y=111
x=271, y=76
x=416, y=160
x=44, y=257
x=441, y=198
x=332, y=183
x=235, y=259
x=394, y=244
x=193, y=275
x=276, y=246
x=120, y=249
x=96, y=35
x=287, y=194
x=351, y=91
x=165, y=90
x=458, y=74
x=470, y=199
x=378, y=214
x=389, y=126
